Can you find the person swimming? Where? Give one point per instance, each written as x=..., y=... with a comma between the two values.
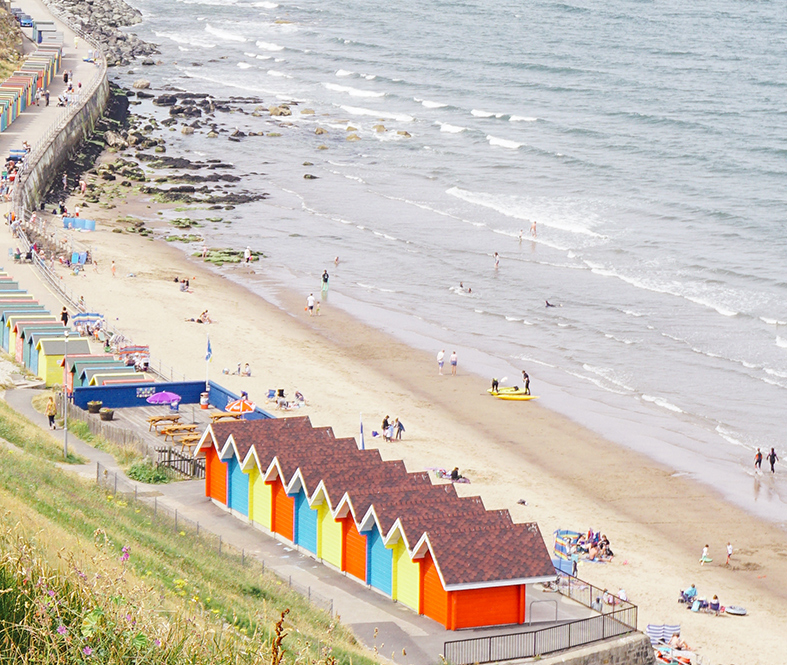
x=549, y=304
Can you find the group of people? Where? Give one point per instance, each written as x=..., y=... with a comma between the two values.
x=441, y=361
x=245, y=370
x=772, y=458
x=281, y=400
x=691, y=598
x=392, y=429
x=593, y=546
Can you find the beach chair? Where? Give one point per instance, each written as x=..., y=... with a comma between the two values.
x=271, y=394
x=660, y=633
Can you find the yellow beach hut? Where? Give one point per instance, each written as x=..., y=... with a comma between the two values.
x=50, y=356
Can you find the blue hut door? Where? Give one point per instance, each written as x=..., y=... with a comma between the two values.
x=238, y=494
x=305, y=523
x=379, y=562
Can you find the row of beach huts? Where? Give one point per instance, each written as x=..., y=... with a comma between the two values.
x=19, y=90
x=38, y=339
x=420, y=544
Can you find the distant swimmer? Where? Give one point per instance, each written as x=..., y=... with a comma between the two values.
x=533, y=229
x=549, y=304
x=336, y=261
x=521, y=233
x=497, y=260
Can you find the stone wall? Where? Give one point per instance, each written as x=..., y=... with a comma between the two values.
x=45, y=165
x=634, y=649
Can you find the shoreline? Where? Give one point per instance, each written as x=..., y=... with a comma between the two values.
x=570, y=477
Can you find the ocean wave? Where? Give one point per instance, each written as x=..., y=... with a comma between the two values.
x=485, y=114
x=608, y=374
x=223, y=34
x=353, y=92
x=273, y=72
x=450, y=129
x=503, y=143
x=263, y=57
x=774, y=372
x=355, y=110
x=244, y=65
x=664, y=404
x=781, y=343
x=727, y=435
x=521, y=118
x=772, y=322
x=622, y=340
x=430, y=105
x=512, y=206
x=631, y=313
x=343, y=72
x=596, y=381
x=269, y=46
x=183, y=39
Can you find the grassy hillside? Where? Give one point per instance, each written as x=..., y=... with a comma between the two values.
x=87, y=576
x=10, y=44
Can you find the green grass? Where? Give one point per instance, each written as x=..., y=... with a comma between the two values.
x=181, y=567
x=18, y=430
x=125, y=456
x=145, y=472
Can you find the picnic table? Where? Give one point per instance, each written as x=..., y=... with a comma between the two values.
x=172, y=430
x=155, y=421
x=216, y=417
x=189, y=440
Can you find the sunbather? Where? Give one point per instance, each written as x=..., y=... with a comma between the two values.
x=676, y=643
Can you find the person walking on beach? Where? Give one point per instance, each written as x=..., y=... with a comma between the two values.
x=526, y=380
x=65, y=182
x=758, y=460
x=325, y=278
x=533, y=229
x=51, y=412
x=705, y=558
x=453, y=363
x=385, y=426
x=772, y=459
x=64, y=317
x=729, y=554
x=247, y=255
x=440, y=361
x=399, y=427
x=113, y=268
x=310, y=304
x=497, y=260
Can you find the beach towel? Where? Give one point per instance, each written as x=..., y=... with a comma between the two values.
x=75, y=258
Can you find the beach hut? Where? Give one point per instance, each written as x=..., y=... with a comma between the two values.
x=70, y=366
x=82, y=362
x=50, y=355
x=215, y=469
x=11, y=321
x=33, y=341
x=100, y=378
x=9, y=285
x=9, y=309
x=88, y=373
x=24, y=333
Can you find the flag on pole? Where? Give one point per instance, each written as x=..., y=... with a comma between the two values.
x=209, y=353
x=363, y=445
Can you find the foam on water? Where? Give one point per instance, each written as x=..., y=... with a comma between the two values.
x=269, y=46
x=485, y=114
x=503, y=143
x=430, y=105
x=522, y=118
x=343, y=72
x=451, y=129
x=353, y=92
x=399, y=117
x=224, y=35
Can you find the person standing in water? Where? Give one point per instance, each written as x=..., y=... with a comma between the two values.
x=497, y=260
x=440, y=361
x=453, y=363
x=325, y=278
x=526, y=380
x=772, y=459
x=533, y=229
x=758, y=460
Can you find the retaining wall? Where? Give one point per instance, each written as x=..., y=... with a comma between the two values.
x=634, y=649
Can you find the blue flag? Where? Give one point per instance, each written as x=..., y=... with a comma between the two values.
x=363, y=443
x=209, y=353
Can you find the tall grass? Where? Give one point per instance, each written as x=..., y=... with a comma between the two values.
x=180, y=568
x=18, y=430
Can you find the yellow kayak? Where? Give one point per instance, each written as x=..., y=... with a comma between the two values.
x=511, y=394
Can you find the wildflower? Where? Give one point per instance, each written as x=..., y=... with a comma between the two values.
x=62, y=630
x=157, y=642
x=129, y=617
x=87, y=651
x=51, y=593
x=126, y=553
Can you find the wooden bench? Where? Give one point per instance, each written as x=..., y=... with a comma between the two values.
x=216, y=417
x=189, y=440
x=172, y=430
x=155, y=421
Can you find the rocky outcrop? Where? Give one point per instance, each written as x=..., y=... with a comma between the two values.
x=102, y=21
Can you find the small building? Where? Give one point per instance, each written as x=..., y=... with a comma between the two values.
x=50, y=357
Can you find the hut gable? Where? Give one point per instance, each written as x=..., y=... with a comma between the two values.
x=484, y=555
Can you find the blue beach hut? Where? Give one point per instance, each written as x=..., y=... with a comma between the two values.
x=379, y=562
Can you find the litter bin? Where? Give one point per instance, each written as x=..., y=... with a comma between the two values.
x=203, y=400
x=173, y=406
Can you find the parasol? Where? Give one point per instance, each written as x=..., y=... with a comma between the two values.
x=164, y=397
x=240, y=406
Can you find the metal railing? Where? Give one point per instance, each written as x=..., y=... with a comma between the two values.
x=185, y=464
x=619, y=618
x=161, y=513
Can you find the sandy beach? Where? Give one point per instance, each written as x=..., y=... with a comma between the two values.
x=656, y=520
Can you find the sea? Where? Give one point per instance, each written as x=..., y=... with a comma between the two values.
x=627, y=160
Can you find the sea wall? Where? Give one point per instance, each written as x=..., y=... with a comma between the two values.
x=634, y=649
x=52, y=153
